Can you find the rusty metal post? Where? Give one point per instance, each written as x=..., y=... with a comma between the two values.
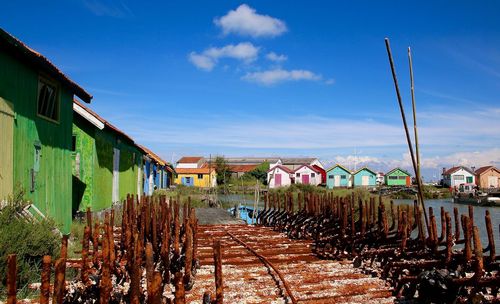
x=149, y=265
x=404, y=231
x=471, y=215
x=95, y=244
x=60, y=281
x=105, y=282
x=45, y=287
x=135, y=277
x=177, y=231
x=219, y=293
x=89, y=219
x=457, y=223
x=11, y=279
x=155, y=292
x=188, y=261
x=85, y=256
x=64, y=246
x=491, y=239
x=443, y=225
x=165, y=250
x=180, y=295
x=478, y=254
x=467, y=235
x=449, y=239
x=154, y=228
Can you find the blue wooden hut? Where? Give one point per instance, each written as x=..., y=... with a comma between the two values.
x=364, y=177
x=338, y=176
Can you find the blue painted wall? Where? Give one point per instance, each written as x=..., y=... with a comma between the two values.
x=337, y=170
x=358, y=177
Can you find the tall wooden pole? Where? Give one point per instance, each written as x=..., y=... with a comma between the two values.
x=413, y=103
x=408, y=139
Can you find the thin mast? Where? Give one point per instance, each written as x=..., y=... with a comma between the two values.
x=407, y=133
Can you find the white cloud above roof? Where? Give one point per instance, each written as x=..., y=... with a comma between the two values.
x=275, y=76
x=208, y=59
x=246, y=21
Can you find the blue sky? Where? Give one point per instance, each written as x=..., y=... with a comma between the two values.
x=309, y=78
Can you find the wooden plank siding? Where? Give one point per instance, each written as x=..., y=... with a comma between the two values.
x=51, y=191
x=6, y=148
x=94, y=148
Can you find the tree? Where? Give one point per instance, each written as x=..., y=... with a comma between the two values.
x=259, y=173
x=222, y=170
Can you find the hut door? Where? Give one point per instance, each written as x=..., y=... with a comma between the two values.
x=365, y=180
x=277, y=180
x=336, y=180
x=116, y=175
x=492, y=181
x=305, y=179
x=6, y=148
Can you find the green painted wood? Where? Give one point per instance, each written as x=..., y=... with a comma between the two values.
x=6, y=148
x=52, y=191
x=396, y=177
x=94, y=149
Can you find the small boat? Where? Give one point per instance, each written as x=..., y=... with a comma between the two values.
x=468, y=194
x=492, y=199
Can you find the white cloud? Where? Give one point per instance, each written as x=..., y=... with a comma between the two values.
x=275, y=57
x=278, y=75
x=245, y=21
x=202, y=61
x=244, y=51
x=330, y=81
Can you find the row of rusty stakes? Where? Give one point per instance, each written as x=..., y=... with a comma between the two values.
x=389, y=233
x=151, y=237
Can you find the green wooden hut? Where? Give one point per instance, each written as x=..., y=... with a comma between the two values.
x=106, y=162
x=36, y=119
x=398, y=177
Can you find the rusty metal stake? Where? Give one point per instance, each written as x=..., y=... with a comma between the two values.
x=45, y=287
x=11, y=279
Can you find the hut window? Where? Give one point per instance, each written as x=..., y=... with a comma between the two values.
x=200, y=176
x=73, y=143
x=393, y=177
x=343, y=177
x=313, y=175
x=297, y=174
x=48, y=101
x=459, y=177
x=330, y=176
x=402, y=177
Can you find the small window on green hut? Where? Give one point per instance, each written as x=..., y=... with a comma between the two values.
x=48, y=101
x=73, y=143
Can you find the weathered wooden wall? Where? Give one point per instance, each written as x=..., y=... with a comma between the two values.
x=52, y=191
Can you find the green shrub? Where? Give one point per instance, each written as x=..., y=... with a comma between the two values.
x=29, y=240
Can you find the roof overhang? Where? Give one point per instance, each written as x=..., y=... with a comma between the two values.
x=88, y=116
